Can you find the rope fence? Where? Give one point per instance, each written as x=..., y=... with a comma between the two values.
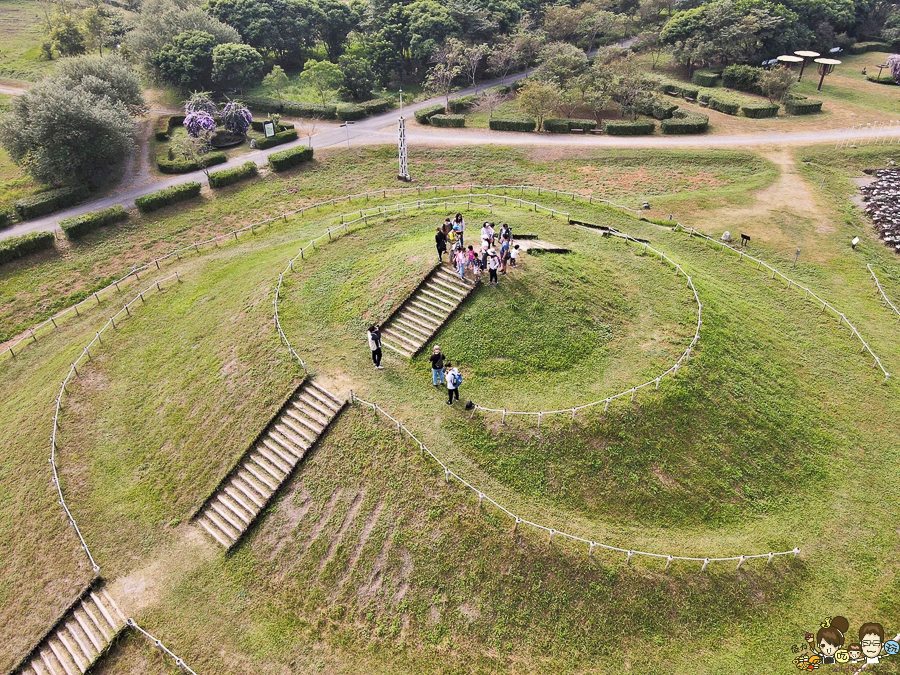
x=886, y=302
x=808, y=294
x=73, y=372
x=161, y=647
x=869, y=133
x=552, y=532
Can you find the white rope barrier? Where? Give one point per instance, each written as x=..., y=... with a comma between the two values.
x=808, y=293
x=160, y=646
x=887, y=303
x=552, y=532
x=73, y=372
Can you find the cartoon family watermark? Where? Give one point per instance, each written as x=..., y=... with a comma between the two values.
x=833, y=645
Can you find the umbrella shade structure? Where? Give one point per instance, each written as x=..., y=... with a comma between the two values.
x=826, y=66
x=806, y=56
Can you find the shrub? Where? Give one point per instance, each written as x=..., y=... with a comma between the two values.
x=703, y=98
x=351, y=112
x=314, y=110
x=512, y=124
x=863, y=47
x=187, y=165
x=260, y=125
x=16, y=247
x=448, y=120
x=685, y=123
x=806, y=106
x=81, y=225
x=424, y=114
x=662, y=110
x=578, y=123
x=556, y=126
x=760, y=110
x=742, y=78
x=46, y=202
x=220, y=179
x=629, y=128
x=281, y=137
x=461, y=104
x=167, y=197
x=688, y=91
x=161, y=128
x=885, y=79
x=724, y=105
x=705, y=78
x=377, y=105
x=286, y=159
x=6, y=217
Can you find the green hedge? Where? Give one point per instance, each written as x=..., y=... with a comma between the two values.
x=759, y=110
x=705, y=78
x=885, y=79
x=81, y=225
x=47, y=202
x=512, y=124
x=724, y=105
x=377, y=105
x=286, y=159
x=187, y=165
x=168, y=196
x=16, y=247
x=220, y=179
x=461, y=104
x=685, y=123
x=161, y=128
x=629, y=128
x=802, y=106
x=863, y=47
x=659, y=108
x=424, y=114
x=6, y=217
x=279, y=138
x=297, y=108
x=742, y=78
x=260, y=125
x=447, y=120
x=351, y=112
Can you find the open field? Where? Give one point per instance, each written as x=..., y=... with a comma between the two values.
x=777, y=434
x=21, y=31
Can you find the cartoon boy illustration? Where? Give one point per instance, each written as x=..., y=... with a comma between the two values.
x=830, y=638
x=871, y=637
x=855, y=652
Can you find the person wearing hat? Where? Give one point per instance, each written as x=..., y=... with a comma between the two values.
x=493, y=266
x=437, y=366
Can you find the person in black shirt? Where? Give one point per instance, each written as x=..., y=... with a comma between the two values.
x=440, y=241
x=437, y=366
x=374, y=337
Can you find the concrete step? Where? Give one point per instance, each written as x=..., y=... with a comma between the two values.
x=228, y=531
x=449, y=288
x=261, y=475
x=439, y=298
x=414, y=320
x=399, y=350
x=214, y=531
x=427, y=310
x=242, y=514
x=300, y=433
x=59, y=652
x=72, y=651
x=403, y=336
x=260, y=463
x=304, y=402
x=241, y=496
x=289, y=445
x=437, y=309
x=88, y=629
x=219, y=509
x=247, y=481
x=462, y=285
x=327, y=395
x=274, y=454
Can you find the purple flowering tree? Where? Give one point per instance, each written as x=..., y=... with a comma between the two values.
x=200, y=101
x=236, y=117
x=200, y=124
x=894, y=64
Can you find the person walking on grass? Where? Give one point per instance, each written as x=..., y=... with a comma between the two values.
x=504, y=256
x=514, y=255
x=487, y=233
x=493, y=266
x=461, y=260
x=374, y=337
x=454, y=381
x=440, y=242
x=459, y=226
x=437, y=366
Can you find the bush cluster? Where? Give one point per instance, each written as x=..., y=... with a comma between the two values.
x=863, y=47
x=804, y=106
x=281, y=137
x=742, y=78
x=461, y=104
x=684, y=122
x=167, y=197
x=46, y=202
x=6, y=217
x=447, y=120
x=424, y=114
x=628, y=127
x=760, y=110
x=512, y=124
x=16, y=247
x=724, y=105
x=260, y=125
x=220, y=179
x=658, y=108
x=88, y=222
x=162, y=129
x=187, y=165
x=885, y=79
x=286, y=159
x=705, y=78
x=270, y=105
x=565, y=126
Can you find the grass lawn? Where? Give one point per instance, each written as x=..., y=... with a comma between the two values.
x=777, y=434
x=21, y=28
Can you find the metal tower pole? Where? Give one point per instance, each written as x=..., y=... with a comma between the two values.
x=402, y=151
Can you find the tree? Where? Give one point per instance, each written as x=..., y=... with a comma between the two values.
x=489, y=101
x=447, y=67
x=893, y=63
x=561, y=22
x=632, y=89
x=776, y=83
x=66, y=36
x=187, y=60
x=538, y=99
x=471, y=58
x=276, y=80
x=323, y=76
x=307, y=128
x=236, y=117
x=561, y=62
x=653, y=46
x=359, y=75
x=283, y=28
x=95, y=24
x=338, y=19
x=108, y=76
x=598, y=23
x=430, y=24
x=199, y=124
x=236, y=65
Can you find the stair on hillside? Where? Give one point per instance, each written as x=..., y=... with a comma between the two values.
x=268, y=463
x=410, y=327
x=80, y=637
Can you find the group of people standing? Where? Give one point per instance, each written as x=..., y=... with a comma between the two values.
x=452, y=234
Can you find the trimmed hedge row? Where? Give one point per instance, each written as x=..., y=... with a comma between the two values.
x=220, y=179
x=6, y=217
x=161, y=128
x=673, y=88
x=186, y=165
x=286, y=159
x=167, y=197
x=629, y=128
x=705, y=78
x=565, y=126
x=724, y=105
x=742, y=78
x=270, y=105
x=447, y=120
x=260, y=125
x=279, y=138
x=885, y=79
x=685, y=123
x=88, y=222
x=658, y=108
x=16, y=247
x=805, y=106
x=424, y=114
x=873, y=46
x=461, y=104
x=759, y=110
x=512, y=123
x=46, y=202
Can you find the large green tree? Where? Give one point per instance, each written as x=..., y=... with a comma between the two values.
x=236, y=65
x=105, y=76
x=338, y=19
x=322, y=76
x=187, y=61
x=282, y=28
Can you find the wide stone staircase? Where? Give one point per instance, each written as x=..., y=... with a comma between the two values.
x=410, y=327
x=268, y=463
x=79, y=638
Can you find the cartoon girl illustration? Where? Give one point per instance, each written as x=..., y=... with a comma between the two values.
x=855, y=652
x=830, y=638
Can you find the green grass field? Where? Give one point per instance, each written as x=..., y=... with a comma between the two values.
x=777, y=434
x=21, y=29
